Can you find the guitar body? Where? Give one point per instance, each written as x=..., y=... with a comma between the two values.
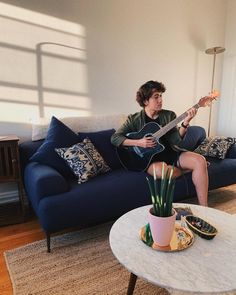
x=138, y=158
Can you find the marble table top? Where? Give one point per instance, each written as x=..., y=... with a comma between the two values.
x=207, y=267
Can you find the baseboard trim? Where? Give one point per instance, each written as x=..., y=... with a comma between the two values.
x=9, y=196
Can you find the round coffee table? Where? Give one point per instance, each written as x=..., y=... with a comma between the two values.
x=208, y=266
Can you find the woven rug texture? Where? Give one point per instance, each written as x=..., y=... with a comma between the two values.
x=81, y=262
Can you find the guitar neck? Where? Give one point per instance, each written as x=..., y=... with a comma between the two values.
x=172, y=124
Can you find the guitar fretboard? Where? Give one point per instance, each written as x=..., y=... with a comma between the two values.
x=172, y=124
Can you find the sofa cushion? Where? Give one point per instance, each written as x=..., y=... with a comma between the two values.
x=231, y=154
x=216, y=147
x=102, y=142
x=59, y=135
x=84, y=160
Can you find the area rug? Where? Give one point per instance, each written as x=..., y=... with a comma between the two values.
x=81, y=262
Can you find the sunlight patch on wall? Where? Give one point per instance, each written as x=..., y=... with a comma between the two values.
x=60, y=113
x=43, y=66
x=17, y=66
x=64, y=74
x=20, y=95
x=18, y=113
x=58, y=100
x=78, y=53
x=26, y=35
x=40, y=19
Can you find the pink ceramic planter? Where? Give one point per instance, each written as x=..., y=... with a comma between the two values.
x=161, y=228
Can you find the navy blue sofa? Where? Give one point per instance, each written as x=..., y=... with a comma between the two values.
x=60, y=202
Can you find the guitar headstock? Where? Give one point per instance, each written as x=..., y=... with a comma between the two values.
x=207, y=100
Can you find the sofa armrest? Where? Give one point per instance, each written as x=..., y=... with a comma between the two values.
x=26, y=150
x=193, y=137
x=42, y=181
x=231, y=154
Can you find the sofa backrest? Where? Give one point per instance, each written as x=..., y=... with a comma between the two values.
x=195, y=134
x=79, y=124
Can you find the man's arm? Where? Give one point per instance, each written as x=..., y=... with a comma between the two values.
x=185, y=124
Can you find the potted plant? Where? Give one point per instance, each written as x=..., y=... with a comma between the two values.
x=162, y=215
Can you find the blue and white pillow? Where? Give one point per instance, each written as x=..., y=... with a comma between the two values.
x=84, y=160
x=102, y=142
x=216, y=147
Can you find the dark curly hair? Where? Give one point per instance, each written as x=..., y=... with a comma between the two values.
x=147, y=89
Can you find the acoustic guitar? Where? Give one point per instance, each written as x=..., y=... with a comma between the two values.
x=138, y=158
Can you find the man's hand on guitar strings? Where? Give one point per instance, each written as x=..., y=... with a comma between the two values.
x=191, y=114
x=147, y=142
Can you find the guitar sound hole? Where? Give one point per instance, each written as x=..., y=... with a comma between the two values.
x=148, y=135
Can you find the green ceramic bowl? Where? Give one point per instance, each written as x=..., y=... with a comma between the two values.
x=201, y=227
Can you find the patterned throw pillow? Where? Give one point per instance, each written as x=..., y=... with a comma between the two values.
x=216, y=147
x=84, y=160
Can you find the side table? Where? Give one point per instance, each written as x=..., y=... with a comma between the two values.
x=10, y=166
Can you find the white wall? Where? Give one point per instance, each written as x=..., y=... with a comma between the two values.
x=227, y=118
x=120, y=45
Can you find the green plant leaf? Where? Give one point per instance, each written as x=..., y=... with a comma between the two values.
x=149, y=240
x=163, y=196
x=171, y=195
x=168, y=191
x=162, y=199
x=155, y=182
x=151, y=189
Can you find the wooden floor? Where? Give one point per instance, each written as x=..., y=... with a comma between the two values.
x=14, y=236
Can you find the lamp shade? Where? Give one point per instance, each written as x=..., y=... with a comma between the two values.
x=215, y=50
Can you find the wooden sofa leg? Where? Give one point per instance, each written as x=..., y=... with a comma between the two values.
x=48, y=236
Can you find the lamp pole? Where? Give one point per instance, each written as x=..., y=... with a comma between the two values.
x=214, y=51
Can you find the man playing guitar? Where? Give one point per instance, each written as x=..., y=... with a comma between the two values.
x=146, y=149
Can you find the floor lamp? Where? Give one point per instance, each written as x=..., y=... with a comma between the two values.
x=214, y=51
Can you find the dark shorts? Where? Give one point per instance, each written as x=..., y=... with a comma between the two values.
x=168, y=156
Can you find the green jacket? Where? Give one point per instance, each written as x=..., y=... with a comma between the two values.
x=136, y=121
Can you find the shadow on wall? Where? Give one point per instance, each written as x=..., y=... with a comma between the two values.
x=40, y=78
